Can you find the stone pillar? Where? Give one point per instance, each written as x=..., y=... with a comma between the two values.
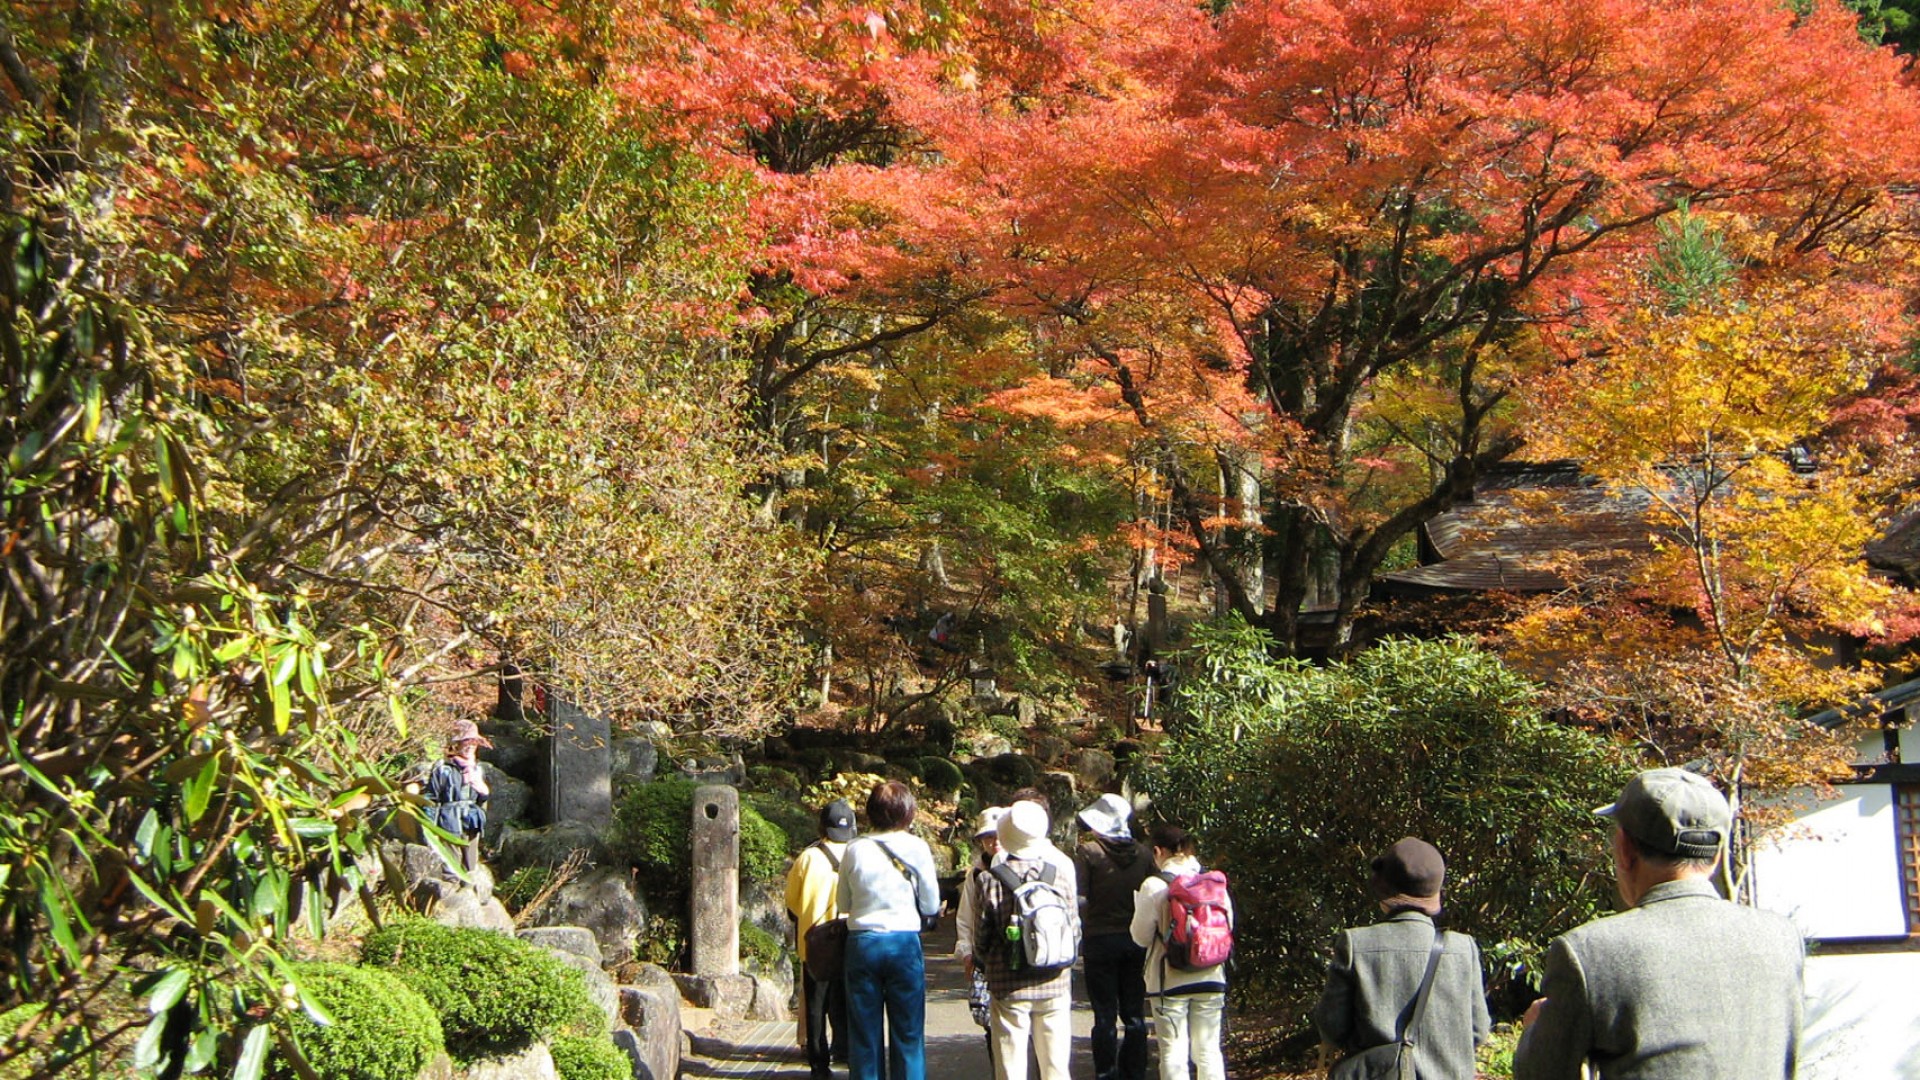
x=716, y=880
x=579, y=766
x=1156, y=621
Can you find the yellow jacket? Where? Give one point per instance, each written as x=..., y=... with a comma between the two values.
x=813, y=888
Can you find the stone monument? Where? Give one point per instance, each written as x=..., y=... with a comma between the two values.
x=579, y=766
x=716, y=880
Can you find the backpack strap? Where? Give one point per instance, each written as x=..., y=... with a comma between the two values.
x=1421, y=996
x=832, y=859
x=1006, y=876
x=913, y=879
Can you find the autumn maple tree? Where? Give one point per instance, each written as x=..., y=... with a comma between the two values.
x=1323, y=238
x=1710, y=402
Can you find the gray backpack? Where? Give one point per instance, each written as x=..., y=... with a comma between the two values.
x=1032, y=916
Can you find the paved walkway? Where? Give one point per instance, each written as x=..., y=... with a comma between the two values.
x=956, y=1046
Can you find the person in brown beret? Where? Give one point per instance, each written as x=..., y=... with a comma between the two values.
x=1377, y=971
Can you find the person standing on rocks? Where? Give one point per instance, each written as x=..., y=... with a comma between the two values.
x=887, y=887
x=813, y=898
x=1111, y=865
x=457, y=788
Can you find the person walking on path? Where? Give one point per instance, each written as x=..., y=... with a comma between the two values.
x=887, y=886
x=1110, y=866
x=986, y=835
x=1378, y=970
x=1031, y=1005
x=457, y=787
x=1188, y=1006
x=1683, y=984
x=813, y=898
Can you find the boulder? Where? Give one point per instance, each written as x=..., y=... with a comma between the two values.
x=406, y=865
x=452, y=905
x=1048, y=749
x=533, y=1063
x=1092, y=768
x=603, y=901
x=600, y=988
x=651, y=977
x=770, y=998
x=510, y=801
x=577, y=940
x=729, y=996
x=1065, y=800
x=516, y=756
x=849, y=760
x=634, y=761
x=651, y=1032
x=548, y=846
x=987, y=745
x=440, y=1068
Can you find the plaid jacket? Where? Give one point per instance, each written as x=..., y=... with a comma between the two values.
x=992, y=951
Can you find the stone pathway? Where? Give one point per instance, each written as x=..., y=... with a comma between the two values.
x=956, y=1046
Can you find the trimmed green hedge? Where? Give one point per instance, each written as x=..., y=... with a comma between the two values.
x=494, y=994
x=578, y=1057
x=382, y=1029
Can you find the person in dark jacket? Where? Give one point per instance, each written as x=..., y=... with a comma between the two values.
x=1110, y=865
x=1377, y=970
x=457, y=787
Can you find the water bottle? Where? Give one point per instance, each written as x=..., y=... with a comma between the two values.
x=1016, y=955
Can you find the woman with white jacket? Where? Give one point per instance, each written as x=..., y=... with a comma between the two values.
x=1188, y=1005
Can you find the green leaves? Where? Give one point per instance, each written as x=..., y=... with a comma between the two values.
x=1295, y=776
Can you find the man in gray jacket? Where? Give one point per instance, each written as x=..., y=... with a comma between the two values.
x=1684, y=984
x=1377, y=970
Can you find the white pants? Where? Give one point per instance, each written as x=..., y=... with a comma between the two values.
x=1047, y=1024
x=1188, y=1028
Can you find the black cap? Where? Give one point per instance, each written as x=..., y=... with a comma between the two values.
x=836, y=821
x=1409, y=874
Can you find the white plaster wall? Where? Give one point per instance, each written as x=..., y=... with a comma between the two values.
x=1836, y=871
x=1910, y=744
x=1862, y=1018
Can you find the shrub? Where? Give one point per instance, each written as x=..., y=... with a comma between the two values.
x=523, y=885
x=580, y=1057
x=800, y=825
x=493, y=993
x=1295, y=776
x=663, y=941
x=759, y=950
x=652, y=830
x=382, y=1029
x=939, y=774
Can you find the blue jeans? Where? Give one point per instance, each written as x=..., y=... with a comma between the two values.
x=886, y=1005
x=1117, y=990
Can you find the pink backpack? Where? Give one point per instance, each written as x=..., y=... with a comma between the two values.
x=1199, y=930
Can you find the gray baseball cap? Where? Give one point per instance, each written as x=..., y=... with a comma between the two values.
x=1674, y=811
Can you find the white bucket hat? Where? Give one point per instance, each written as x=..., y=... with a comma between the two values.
x=1023, y=830
x=1108, y=816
